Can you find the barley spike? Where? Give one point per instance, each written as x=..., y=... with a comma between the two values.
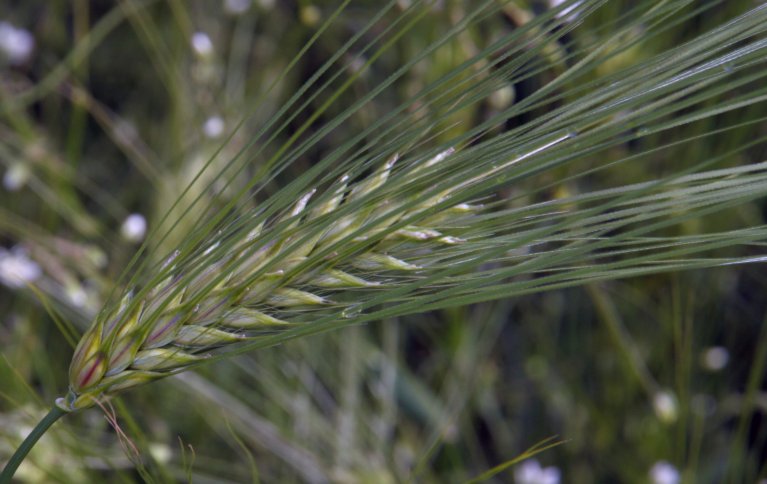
x=232, y=299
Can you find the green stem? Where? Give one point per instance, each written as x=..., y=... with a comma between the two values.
x=29, y=442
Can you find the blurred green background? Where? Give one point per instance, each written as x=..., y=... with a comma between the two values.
x=112, y=108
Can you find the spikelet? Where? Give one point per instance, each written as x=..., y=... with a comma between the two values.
x=229, y=300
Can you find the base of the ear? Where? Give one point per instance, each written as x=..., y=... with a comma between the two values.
x=73, y=401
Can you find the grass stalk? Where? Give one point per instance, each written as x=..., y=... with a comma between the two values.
x=21, y=453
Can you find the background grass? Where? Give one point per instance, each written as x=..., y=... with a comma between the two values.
x=110, y=115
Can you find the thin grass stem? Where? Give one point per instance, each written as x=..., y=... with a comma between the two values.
x=21, y=453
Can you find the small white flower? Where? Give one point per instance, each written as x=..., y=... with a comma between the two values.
x=15, y=44
x=665, y=406
x=531, y=472
x=133, y=228
x=213, y=127
x=16, y=269
x=161, y=452
x=715, y=358
x=202, y=44
x=236, y=7
x=502, y=98
x=663, y=472
x=310, y=15
x=76, y=295
x=16, y=177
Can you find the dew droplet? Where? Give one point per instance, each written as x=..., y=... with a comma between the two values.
x=352, y=311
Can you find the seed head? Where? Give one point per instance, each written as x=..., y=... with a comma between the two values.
x=211, y=302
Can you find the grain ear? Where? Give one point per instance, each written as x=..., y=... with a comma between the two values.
x=192, y=312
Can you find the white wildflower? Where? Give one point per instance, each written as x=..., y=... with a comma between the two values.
x=133, y=228
x=202, y=44
x=715, y=358
x=76, y=295
x=161, y=452
x=531, y=472
x=663, y=472
x=236, y=7
x=310, y=15
x=15, y=44
x=213, y=127
x=16, y=177
x=665, y=406
x=16, y=269
x=502, y=98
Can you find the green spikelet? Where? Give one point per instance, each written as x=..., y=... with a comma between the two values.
x=256, y=287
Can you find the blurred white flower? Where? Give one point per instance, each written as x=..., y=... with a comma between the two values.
x=161, y=452
x=15, y=44
x=663, y=472
x=76, y=295
x=665, y=406
x=502, y=98
x=715, y=358
x=16, y=177
x=531, y=472
x=133, y=228
x=202, y=44
x=16, y=269
x=213, y=127
x=236, y=7
x=310, y=15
